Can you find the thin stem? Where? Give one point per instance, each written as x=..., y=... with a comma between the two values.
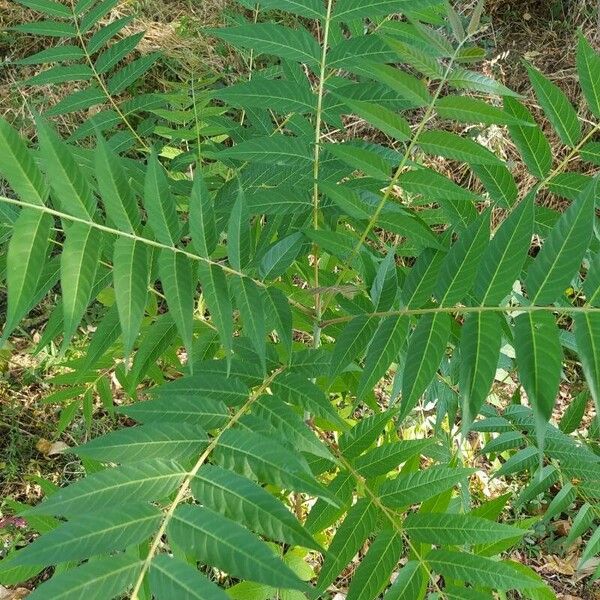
x=185, y=486
x=101, y=83
x=251, y=59
x=389, y=514
x=143, y=240
x=317, y=166
x=464, y=310
x=405, y=158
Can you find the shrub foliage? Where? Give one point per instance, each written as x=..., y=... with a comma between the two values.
x=292, y=265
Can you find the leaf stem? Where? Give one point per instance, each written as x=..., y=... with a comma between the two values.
x=143, y=240
x=317, y=166
x=185, y=486
x=405, y=158
x=102, y=85
x=464, y=310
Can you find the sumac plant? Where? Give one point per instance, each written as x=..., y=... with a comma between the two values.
x=291, y=284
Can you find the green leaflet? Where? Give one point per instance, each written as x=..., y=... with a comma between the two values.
x=130, y=280
x=410, y=583
x=384, y=348
x=156, y=340
x=104, y=578
x=176, y=277
x=576, y=410
x=385, y=458
x=453, y=592
x=114, y=54
x=453, y=146
x=260, y=457
x=229, y=390
x=216, y=294
x=561, y=501
x=104, y=34
x=115, y=189
x=384, y=119
x=420, y=60
x=581, y=523
x=47, y=29
x=312, y=9
x=591, y=548
x=175, y=441
x=18, y=167
x=352, y=53
x=591, y=152
x=539, y=358
x=61, y=74
x=499, y=183
x=457, y=272
x=372, y=575
x=249, y=300
x=78, y=267
x=96, y=12
x=268, y=38
x=407, y=86
x=481, y=571
x=588, y=68
x=281, y=96
x=364, y=434
x=587, y=334
x=544, y=478
x=136, y=482
x=385, y=285
x=426, y=347
x=55, y=54
x=246, y=502
x=218, y=541
x=351, y=342
x=526, y=459
x=558, y=109
x=361, y=159
x=471, y=110
x=298, y=391
x=208, y=413
x=507, y=440
x=503, y=259
x=530, y=141
x=411, y=488
x=172, y=578
x=456, y=529
x=278, y=258
x=351, y=10
x=69, y=185
x=238, y=233
x=91, y=535
x=202, y=224
x=279, y=316
x=128, y=75
x=293, y=152
x=481, y=339
x=290, y=425
x=25, y=263
x=159, y=204
x=349, y=537
x=77, y=101
x=48, y=7
x=562, y=252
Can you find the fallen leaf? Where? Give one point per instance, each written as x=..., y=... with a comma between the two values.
x=48, y=448
x=555, y=564
x=16, y=594
x=57, y=448
x=562, y=527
